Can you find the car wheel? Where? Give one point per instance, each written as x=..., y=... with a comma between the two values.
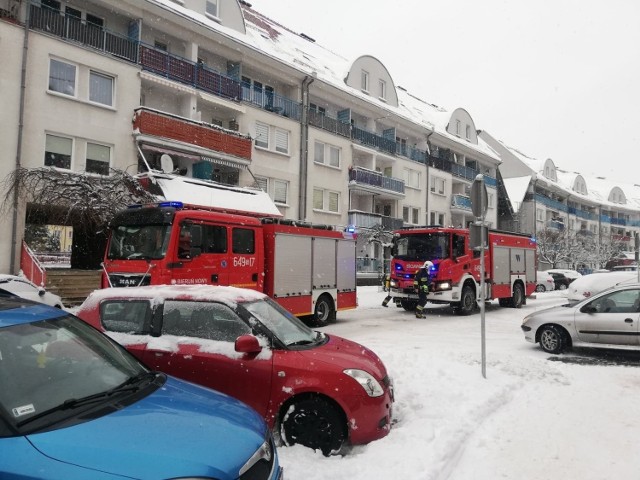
x=552, y=339
x=314, y=423
x=467, y=301
x=408, y=305
x=518, y=296
x=324, y=313
x=562, y=286
x=540, y=288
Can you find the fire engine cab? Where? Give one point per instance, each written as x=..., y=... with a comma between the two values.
x=510, y=267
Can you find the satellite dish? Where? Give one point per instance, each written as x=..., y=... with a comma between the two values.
x=166, y=163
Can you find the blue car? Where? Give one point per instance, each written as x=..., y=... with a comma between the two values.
x=76, y=405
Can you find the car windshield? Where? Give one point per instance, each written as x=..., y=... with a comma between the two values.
x=424, y=246
x=287, y=328
x=51, y=364
x=139, y=242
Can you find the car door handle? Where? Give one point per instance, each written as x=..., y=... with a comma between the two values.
x=628, y=320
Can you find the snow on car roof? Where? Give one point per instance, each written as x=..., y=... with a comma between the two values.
x=159, y=293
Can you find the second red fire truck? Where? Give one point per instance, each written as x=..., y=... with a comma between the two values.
x=510, y=267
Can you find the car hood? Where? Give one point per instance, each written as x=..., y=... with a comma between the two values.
x=551, y=314
x=180, y=430
x=345, y=354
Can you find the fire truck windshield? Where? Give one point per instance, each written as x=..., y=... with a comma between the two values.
x=131, y=242
x=423, y=246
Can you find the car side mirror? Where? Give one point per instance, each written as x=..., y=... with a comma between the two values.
x=247, y=344
x=41, y=292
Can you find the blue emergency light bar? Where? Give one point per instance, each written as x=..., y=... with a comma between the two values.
x=171, y=203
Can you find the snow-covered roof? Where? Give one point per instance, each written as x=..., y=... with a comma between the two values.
x=243, y=200
x=299, y=52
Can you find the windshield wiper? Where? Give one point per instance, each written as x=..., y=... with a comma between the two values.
x=133, y=384
x=300, y=342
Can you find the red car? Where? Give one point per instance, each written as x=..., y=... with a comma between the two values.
x=314, y=389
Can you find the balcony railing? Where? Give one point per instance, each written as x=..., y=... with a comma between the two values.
x=271, y=101
x=461, y=202
x=370, y=220
x=71, y=28
x=555, y=225
x=374, y=140
x=329, y=124
x=376, y=179
x=161, y=124
x=31, y=267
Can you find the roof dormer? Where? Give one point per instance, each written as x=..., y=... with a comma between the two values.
x=549, y=170
x=370, y=76
x=580, y=186
x=616, y=195
x=226, y=12
x=461, y=125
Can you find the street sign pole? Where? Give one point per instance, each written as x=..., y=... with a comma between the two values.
x=479, y=209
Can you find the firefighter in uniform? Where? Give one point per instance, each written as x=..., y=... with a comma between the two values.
x=421, y=283
x=387, y=288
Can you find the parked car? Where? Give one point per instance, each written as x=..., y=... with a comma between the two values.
x=609, y=319
x=570, y=274
x=76, y=405
x=545, y=282
x=625, y=268
x=20, y=286
x=314, y=389
x=560, y=281
x=589, y=285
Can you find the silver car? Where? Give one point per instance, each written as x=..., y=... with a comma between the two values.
x=609, y=319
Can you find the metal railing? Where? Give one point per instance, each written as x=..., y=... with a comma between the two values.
x=460, y=201
x=31, y=267
x=271, y=101
x=376, y=179
x=330, y=124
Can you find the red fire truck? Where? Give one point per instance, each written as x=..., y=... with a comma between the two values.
x=309, y=269
x=510, y=267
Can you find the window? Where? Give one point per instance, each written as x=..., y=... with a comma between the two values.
x=101, y=88
x=364, y=81
x=458, y=127
x=411, y=178
x=326, y=154
x=203, y=320
x=468, y=132
x=161, y=46
x=280, y=188
x=243, y=240
x=262, y=135
x=490, y=200
x=411, y=215
x=214, y=239
x=98, y=159
x=62, y=77
x=57, y=152
x=51, y=4
x=383, y=89
x=539, y=215
x=437, y=185
x=326, y=200
x=130, y=316
x=95, y=21
x=282, y=141
x=212, y=8
x=437, y=218
x=316, y=109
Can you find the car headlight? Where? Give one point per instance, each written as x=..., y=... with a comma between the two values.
x=366, y=380
x=393, y=283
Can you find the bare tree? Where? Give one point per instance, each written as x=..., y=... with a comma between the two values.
x=557, y=247
x=87, y=202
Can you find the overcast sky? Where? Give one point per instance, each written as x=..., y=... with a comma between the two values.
x=556, y=79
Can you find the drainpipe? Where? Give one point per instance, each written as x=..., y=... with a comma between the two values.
x=23, y=86
x=426, y=214
x=304, y=149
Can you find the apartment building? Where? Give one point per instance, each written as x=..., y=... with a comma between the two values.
x=214, y=90
x=539, y=196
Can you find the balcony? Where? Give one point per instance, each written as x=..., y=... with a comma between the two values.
x=374, y=182
x=549, y=202
x=369, y=220
x=271, y=101
x=374, y=140
x=73, y=29
x=460, y=202
x=164, y=125
x=330, y=124
x=555, y=225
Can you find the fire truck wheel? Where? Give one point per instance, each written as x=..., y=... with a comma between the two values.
x=552, y=339
x=408, y=305
x=467, y=301
x=324, y=313
x=314, y=423
x=518, y=296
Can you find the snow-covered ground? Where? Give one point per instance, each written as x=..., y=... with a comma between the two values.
x=535, y=416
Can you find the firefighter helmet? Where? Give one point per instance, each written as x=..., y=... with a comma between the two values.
x=428, y=265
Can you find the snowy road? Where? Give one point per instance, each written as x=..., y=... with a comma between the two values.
x=532, y=418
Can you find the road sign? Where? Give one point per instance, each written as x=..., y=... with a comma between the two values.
x=479, y=197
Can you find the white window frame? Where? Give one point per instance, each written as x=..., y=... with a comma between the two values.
x=111, y=100
x=108, y=161
x=71, y=139
x=437, y=218
x=539, y=215
x=274, y=188
x=412, y=178
x=75, y=78
x=490, y=200
x=364, y=81
x=209, y=4
x=468, y=132
x=458, y=128
x=383, y=89
x=437, y=185
x=327, y=154
x=410, y=215
x=281, y=141
x=327, y=197
x=262, y=136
